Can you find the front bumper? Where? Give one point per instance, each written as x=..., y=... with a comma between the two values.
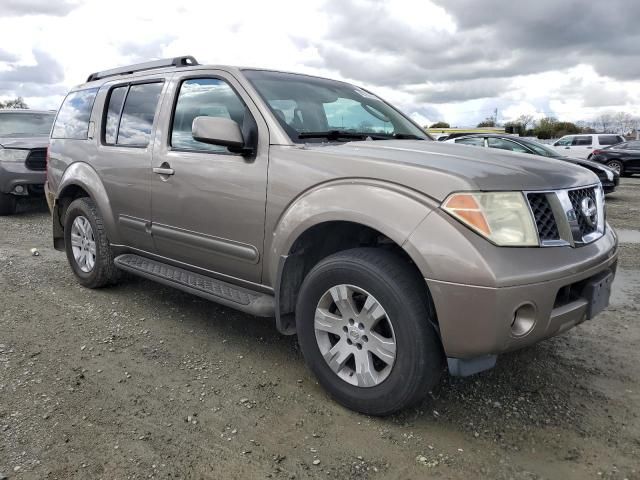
x=13, y=174
x=476, y=321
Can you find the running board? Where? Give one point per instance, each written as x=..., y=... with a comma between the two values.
x=243, y=299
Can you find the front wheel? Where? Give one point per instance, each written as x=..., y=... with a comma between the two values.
x=364, y=321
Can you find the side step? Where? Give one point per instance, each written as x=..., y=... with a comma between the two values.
x=249, y=301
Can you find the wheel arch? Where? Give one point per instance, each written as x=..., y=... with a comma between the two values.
x=338, y=217
x=80, y=180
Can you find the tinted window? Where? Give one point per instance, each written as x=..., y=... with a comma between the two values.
x=608, y=139
x=137, y=114
x=113, y=113
x=204, y=97
x=73, y=117
x=476, y=141
x=582, y=140
x=506, y=145
x=25, y=124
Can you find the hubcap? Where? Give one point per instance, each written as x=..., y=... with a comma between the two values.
x=83, y=244
x=355, y=336
x=615, y=166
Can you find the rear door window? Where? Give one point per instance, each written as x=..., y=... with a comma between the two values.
x=72, y=121
x=609, y=139
x=581, y=141
x=130, y=114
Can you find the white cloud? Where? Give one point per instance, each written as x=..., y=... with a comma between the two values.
x=400, y=49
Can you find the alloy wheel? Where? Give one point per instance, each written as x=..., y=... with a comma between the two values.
x=355, y=335
x=83, y=244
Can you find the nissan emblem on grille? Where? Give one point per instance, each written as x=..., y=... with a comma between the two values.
x=589, y=210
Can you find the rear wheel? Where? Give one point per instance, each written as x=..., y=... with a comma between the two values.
x=87, y=245
x=616, y=166
x=364, y=327
x=8, y=204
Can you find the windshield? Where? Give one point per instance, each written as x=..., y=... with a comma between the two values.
x=317, y=109
x=13, y=124
x=540, y=148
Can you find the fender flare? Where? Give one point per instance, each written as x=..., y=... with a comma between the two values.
x=393, y=210
x=81, y=174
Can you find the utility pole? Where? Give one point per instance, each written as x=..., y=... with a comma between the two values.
x=495, y=116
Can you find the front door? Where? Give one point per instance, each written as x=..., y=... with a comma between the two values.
x=208, y=204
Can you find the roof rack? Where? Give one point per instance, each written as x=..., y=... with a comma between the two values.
x=184, y=61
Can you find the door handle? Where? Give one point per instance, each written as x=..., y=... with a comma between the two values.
x=164, y=169
x=567, y=148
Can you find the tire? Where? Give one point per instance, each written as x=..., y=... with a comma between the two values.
x=616, y=165
x=102, y=271
x=8, y=204
x=401, y=292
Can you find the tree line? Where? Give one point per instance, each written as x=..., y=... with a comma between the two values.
x=15, y=103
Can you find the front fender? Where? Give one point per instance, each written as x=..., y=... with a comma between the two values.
x=82, y=175
x=391, y=209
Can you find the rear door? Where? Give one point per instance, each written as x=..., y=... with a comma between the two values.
x=209, y=211
x=123, y=157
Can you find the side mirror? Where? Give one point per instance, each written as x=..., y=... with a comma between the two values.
x=218, y=131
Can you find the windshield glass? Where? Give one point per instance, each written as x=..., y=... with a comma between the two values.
x=540, y=148
x=316, y=109
x=25, y=124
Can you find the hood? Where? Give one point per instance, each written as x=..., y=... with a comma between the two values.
x=25, y=142
x=598, y=168
x=475, y=168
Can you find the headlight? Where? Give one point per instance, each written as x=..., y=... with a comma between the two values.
x=503, y=218
x=13, y=155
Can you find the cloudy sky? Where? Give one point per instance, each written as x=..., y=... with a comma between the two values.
x=454, y=60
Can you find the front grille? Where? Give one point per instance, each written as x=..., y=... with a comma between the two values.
x=587, y=225
x=544, y=217
x=37, y=159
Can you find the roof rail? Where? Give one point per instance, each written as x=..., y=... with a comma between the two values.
x=184, y=61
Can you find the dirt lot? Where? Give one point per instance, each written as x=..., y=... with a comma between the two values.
x=140, y=381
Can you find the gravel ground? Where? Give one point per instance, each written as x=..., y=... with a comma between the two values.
x=141, y=381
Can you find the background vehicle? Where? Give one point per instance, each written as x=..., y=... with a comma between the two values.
x=623, y=158
x=24, y=136
x=316, y=202
x=582, y=145
x=608, y=177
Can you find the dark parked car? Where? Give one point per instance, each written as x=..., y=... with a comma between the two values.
x=609, y=178
x=623, y=158
x=24, y=136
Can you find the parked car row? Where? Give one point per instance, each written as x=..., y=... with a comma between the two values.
x=315, y=202
x=608, y=177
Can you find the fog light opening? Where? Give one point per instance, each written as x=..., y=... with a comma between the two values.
x=524, y=319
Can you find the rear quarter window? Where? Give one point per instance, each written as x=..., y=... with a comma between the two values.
x=73, y=117
x=609, y=139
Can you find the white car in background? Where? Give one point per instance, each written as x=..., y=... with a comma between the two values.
x=581, y=146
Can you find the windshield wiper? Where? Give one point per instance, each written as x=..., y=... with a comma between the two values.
x=333, y=135
x=344, y=134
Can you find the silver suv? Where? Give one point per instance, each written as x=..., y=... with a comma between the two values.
x=315, y=202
